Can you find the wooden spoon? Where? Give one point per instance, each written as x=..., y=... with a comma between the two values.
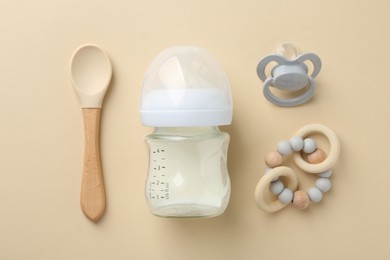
x=91, y=75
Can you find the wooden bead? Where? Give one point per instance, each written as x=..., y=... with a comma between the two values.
x=301, y=199
x=273, y=159
x=317, y=156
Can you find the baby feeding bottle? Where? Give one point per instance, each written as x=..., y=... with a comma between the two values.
x=185, y=97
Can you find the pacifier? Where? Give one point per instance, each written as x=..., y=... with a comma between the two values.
x=289, y=75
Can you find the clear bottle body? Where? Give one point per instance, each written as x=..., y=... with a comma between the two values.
x=187, y=174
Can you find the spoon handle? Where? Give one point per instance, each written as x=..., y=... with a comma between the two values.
x=92, y=196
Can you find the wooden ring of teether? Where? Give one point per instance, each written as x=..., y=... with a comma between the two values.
x=265, y=181
x=334, y=150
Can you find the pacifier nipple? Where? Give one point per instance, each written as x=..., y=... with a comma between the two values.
x=287, y=50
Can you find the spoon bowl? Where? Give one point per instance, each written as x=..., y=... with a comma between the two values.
x=91, y=72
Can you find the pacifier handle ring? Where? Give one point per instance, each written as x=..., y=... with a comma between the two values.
x=288, y=102
x=265, y=61
x=314, y=59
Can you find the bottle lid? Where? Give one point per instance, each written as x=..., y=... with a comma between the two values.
x=185, y=86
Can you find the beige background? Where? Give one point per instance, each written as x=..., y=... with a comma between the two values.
x=41, y=134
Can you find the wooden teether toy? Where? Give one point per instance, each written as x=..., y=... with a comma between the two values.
x=282, y=181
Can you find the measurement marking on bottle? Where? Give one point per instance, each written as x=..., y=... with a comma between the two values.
x=158, y=184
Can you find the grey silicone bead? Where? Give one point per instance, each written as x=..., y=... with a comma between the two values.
x=323, y=184
x=296, y=143
x=309, y=145
x=276, y=187
x=284, y=147
x=315, y=194
x=286, y=196
x=326, y=174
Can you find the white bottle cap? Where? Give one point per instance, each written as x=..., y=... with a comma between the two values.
x=185, y=86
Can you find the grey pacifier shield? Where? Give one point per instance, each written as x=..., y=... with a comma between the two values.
x=289, y=75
